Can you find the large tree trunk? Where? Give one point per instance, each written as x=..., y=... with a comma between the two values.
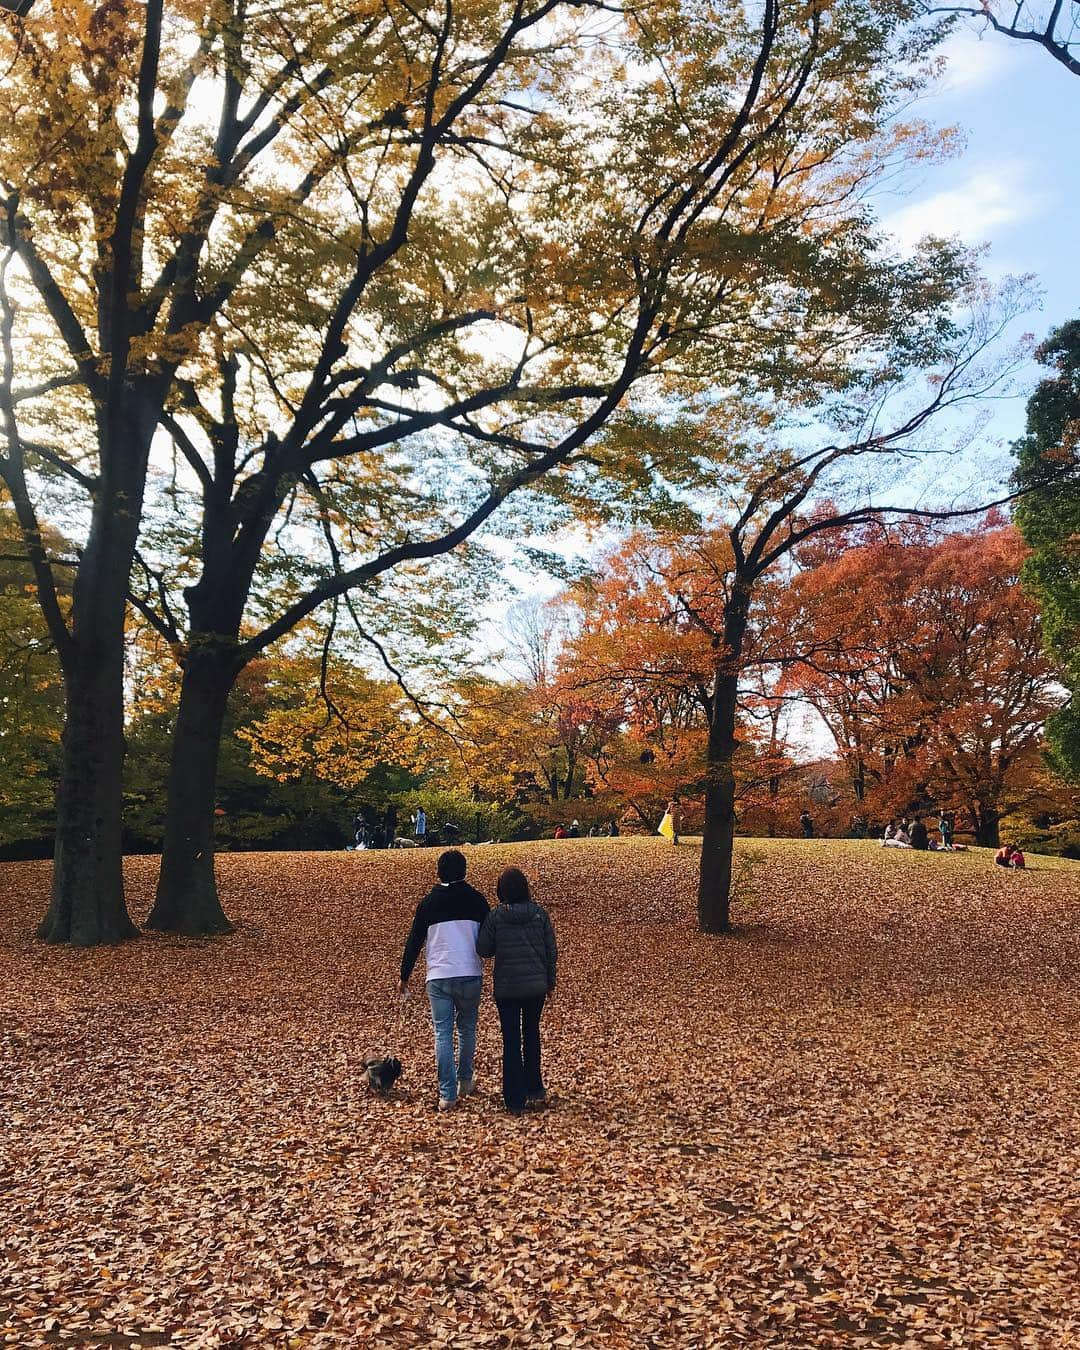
x=187, y=898
x=87, y=905
x=718, y=842
x=987, y=826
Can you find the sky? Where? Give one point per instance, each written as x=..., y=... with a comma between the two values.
x=1015, y=187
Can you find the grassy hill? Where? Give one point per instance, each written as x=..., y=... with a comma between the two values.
x=853, y=1123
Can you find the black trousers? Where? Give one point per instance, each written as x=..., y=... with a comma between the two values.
x=520, y=1022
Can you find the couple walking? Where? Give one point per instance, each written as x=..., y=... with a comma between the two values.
x=456, y=927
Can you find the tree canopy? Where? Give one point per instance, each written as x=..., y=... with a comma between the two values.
x=1048, y=470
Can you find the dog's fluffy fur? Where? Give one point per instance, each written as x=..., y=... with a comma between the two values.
x=382, y=1074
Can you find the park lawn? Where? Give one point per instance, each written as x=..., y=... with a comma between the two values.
x=854, y=1123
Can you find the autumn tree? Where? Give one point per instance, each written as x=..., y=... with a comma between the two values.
x=785, y=476
x=555, y=728
x=1049, y=518
x=929, y=672
x=639, y=653
x=359, y=724
x=31, y=694
x=632, y=655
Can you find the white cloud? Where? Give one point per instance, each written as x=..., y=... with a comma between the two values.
x=975, y=57
x=986, y=202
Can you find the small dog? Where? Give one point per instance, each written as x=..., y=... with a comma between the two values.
x=382, y=1074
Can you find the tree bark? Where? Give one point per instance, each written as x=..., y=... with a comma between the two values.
x=187, y=898
x=718, y=842
x=987, y=826
x=87, y=905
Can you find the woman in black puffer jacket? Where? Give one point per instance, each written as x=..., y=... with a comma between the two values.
x=520, y=937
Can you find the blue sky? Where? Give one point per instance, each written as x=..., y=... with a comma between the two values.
x=1015, y=188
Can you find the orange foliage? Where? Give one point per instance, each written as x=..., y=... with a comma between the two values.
x=926, y=663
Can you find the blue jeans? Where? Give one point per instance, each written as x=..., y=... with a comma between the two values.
x=455, y=998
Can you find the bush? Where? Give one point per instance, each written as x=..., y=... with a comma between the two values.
x=476, y=820
x=1060, y=841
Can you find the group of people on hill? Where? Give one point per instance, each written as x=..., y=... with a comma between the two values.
x=456, y=929
x=609, y=830
x=913, y=833
x=370, y=830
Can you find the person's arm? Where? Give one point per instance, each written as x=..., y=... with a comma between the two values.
x=551, y=953
x=414, y=942
x=485, y=938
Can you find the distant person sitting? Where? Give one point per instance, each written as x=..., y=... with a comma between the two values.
x=1010, y=856
x=807, y=825
x=560, y=831
x=574, y=832
x=613, y=830
x=895, y=836
x=919, y=836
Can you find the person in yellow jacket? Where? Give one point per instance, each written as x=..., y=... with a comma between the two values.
x=671, y=825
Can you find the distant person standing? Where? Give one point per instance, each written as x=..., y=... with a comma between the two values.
x=672, y=821
x=420, y=825
x=807, y=825
x=390, y=826
x=945, y=828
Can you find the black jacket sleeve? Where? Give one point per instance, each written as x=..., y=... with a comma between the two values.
x=551, y=952
x=416, y=939
x=485, y=939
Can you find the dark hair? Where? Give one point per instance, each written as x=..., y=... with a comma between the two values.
x=451, y=865
x=513, y=887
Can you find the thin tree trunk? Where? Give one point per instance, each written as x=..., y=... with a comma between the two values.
x=718, y=842
x=187, y=898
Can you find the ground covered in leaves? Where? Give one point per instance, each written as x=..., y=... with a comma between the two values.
x=855, y=1123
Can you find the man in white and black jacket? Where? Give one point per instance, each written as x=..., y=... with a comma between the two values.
x=446, y=923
